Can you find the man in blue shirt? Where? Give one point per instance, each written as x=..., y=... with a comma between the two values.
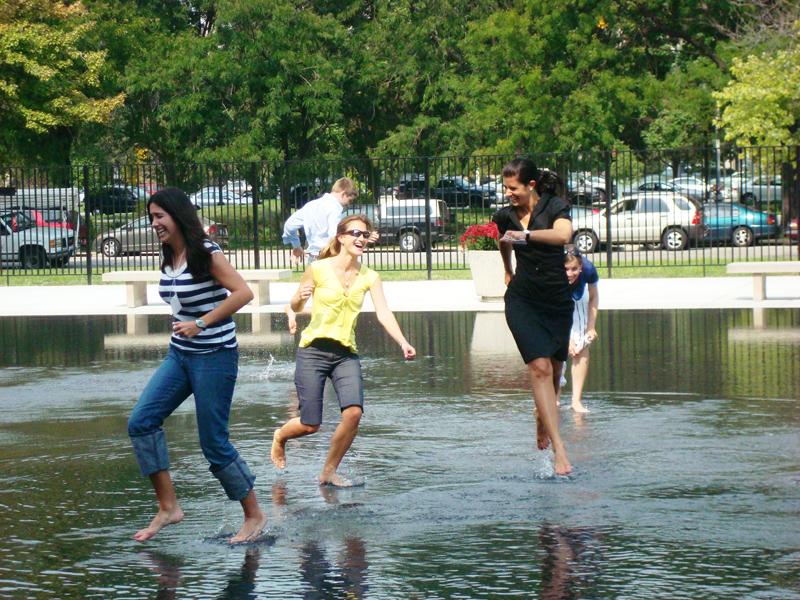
x=319, y=219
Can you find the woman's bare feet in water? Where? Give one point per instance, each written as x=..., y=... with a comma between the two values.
x=278, y=452
x=161, y=520
x=579, y=407
x=335, y=480
x=562, y=466
x=542, y=439
x=252, y=527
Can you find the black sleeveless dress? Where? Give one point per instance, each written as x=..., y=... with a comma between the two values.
x=538, y=300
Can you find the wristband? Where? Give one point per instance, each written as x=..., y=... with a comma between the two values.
x=528, y=236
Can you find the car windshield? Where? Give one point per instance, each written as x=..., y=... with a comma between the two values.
x=18, y=221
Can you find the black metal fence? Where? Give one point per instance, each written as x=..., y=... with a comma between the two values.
x=631, y=209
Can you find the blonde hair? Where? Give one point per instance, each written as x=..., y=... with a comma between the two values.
x=344, y=184
x=334, y=246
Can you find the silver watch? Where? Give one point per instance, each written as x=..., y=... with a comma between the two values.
x=200, y=324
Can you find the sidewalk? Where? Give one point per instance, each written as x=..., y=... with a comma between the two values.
x=421, y=296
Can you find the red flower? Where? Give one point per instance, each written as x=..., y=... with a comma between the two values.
x=480, y=237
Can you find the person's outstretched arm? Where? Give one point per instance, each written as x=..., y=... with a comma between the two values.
x=386, y=318
x=594, y=307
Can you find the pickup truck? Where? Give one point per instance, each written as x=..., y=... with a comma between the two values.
x=24, y=244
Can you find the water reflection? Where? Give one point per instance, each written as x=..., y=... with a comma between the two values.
x=346, y=578
x=572, y=562
x=693, y=422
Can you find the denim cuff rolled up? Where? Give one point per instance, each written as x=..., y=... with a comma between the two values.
x=151, y=452
x=236, y=479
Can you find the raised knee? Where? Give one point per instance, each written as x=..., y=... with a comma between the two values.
x=309, y=429
x=139, y=426
x=541, y=368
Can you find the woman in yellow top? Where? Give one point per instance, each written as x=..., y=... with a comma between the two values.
x=337, y=281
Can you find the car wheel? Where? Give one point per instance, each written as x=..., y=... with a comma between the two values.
x=410, y=242
x=33, y=258
x=742, y=236
x=59, y=262
x=674, y=238
x=586, y=242
x=111, y=247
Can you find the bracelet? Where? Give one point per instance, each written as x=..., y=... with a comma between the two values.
x=528, y=237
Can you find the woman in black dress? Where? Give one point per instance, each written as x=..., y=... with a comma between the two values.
x=538, y=303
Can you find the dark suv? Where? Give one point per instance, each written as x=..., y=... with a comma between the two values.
x=112, y=200
x=455, y=191
x=403, y=222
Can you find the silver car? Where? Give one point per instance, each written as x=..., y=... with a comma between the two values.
x=138, y=237
x=664, y=219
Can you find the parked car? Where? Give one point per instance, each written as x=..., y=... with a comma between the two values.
x=25, y=244
x=791, y=230
x=691, y=186
x=402, y=222
x=586, y=190
x=115, y=199
x=56, y=217
x=737, y=224
x=763, y=189
x=218, y=196
x=138, y=236
x=667, y=219
x=651, y=185
x=456, y=191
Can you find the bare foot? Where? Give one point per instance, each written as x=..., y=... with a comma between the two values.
x=542, y=439
x=335, y=480
x=579, y=408
x=251, y=529
x=161, y=520
x=278, y=451
x=562, y=466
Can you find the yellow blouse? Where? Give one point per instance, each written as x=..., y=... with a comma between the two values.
x=334, y=310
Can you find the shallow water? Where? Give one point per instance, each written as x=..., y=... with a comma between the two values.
x=687, y=478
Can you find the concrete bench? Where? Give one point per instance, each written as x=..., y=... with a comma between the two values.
x=136, y=283
x=760, y=270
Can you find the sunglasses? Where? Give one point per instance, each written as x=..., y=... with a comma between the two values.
x=357, y=232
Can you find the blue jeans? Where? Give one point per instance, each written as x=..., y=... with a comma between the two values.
x=211, y=377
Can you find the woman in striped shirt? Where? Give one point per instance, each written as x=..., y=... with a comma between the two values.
x=203, y=290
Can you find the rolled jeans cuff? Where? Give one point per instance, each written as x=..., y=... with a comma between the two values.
x=151, y=452
x=236, y=479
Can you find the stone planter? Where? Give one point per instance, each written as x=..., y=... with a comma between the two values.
x=487, y=274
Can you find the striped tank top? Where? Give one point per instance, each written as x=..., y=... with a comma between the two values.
x=190, y=298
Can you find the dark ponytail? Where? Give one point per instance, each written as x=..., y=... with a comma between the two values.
x=525, y=171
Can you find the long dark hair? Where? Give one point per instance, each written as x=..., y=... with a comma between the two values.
x=334, y=246
x=525, y=171
x=178, y=206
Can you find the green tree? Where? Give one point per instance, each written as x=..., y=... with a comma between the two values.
x=761, y=103
x=50, y=79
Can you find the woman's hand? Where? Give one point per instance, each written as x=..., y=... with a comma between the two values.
x=187, y=329
x=508, y=277
x=305, y=291
x=591, y=335
x=409, y=353
x=513, y=237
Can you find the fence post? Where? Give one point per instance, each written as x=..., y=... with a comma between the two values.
x=609, y=194
x=254, y=186
x=88, y=225
x=428, y=257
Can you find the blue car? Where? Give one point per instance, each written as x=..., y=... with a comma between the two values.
x=737, y=224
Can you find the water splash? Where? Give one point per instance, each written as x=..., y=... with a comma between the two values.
x=265, y=374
